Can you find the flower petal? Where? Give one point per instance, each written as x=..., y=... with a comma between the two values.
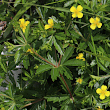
x=47, y=26
x=103, y=87
x=77, y=57
x=50, y=21
x=80, y=15
x=80, y=55
x=22, y=20
x=79, y=8
x=91, y=20
x=72, y=9
x=98, y=91
x=97, y=19
x=23, y=30
x=107, y=93
x=74, y=15
x=102, y=96
x=26, y=23
x=93, y=26
x=99, y=25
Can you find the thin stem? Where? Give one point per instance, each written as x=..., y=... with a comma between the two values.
x=43, y=58
x=69, y=24
x=23, y=37
x=96, y=56
x=59, y=60
x=67, y=87
x=32, y=103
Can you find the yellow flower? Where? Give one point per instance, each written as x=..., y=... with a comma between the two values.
x=29, y=50
x=76, y=12
x=50, y=24
x=79, y=80
x=99, y=108
x=23, y=24
x=95, y=22
x=103, y=92
x=80, y=56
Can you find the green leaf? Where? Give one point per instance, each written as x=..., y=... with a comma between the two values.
x=21, y=39
x=54, y=74
x=26, y=6
x=100, y=37
x=91, y=47
x=58, y=48
x=68, y=53
x=43, y=68
x=17, y=56
x=60, y=36
x=96, y=77
x=3, y=66
x=68, y=3
x=27, y=74
x=27, y=31
x=16, y=2
x=67, y=73
x=74, y=62
x=26, y=62
x=57, y=98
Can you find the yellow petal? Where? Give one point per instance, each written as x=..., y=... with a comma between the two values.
x=50, y=21
x=93, y=26
x=98, y=91
x=80, y=15
x=26, y=23
x=97, y=19
x=80, y=55
x=72, y=9
x=74, y=15
x=77, y=57
x=23, y=30
x=103, y=87
x=83, y=59
x=91, y=20
x=22, y=20
x=99, y=25
x=47, y=26
x=79, y=8
x=102, y=96
x=107, y=93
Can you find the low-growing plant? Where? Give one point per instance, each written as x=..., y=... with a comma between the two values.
x=62, y=51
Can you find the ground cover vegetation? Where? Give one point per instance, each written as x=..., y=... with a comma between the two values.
x=62, y=49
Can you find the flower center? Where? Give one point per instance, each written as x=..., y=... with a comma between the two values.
x=22, y=26
x=76, y=12
x=103, y=92
x=96, y=23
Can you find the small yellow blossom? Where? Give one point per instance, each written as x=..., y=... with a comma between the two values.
x=95, y=22
x=36, y=67
x=23, y=24
x=29, y=50
x=99, y=108
x=79, y=80
x=103, y=92
x=80, y=56
x=76, y=12
x=50, y=24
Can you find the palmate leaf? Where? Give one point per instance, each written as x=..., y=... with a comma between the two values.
x=69, y=51
x=43, y=68
x=74, y=62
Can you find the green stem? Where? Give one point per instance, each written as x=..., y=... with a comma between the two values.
x=96, y=56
